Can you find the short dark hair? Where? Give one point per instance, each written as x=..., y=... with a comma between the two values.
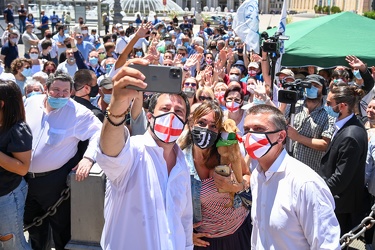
x=155, y=97
x=277, y=117
x=236, y=89
x=106, y=38
x=46, y=43
x=81, y=78
x=13, y=109
x=59, y=75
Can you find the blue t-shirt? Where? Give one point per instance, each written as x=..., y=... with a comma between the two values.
x=85, y=48
x=10, y=53
x=45, y=20
x=10, y=16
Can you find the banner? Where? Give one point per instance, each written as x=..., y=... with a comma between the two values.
x=246, y=24
x=281, y=31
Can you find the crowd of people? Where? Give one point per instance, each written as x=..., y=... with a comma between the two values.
x=65, y=105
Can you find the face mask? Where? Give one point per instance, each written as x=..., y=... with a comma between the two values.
x=312, y=93
x=258, y=145
x=257, y=101
x=162, y=31
x=230, y=33
x=173, y=51
x=49, y=36
x=203, y=137
x=80, y=22
x=93, y=61
x=94, y=91
x=167, y=43
x=107, y=98
x=186, y=44
x=231, y=43
x=189, y=92
x=331, y=112
x=213, y=46
x=84, y=32
x=183, y=60
x=72, y=59
x=27, y=72
x=234, y=78
x=101, y=56
x=14, y=40
x=138, y=53
x=220, y=96
x=232, y=106
x=33, y=93
x=57, y=103
x=208, y=61
x=167, y=127
x=250, y=89
x=108, y=68
x=357, y=74
x=34, y=56
x=252, y=72
x=66, y=31
x=240, y=51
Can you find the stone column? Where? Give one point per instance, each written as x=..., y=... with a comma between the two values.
x=117, y=17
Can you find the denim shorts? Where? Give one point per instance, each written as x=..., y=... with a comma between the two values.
x=12, y=207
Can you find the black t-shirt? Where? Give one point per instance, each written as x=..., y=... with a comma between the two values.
x=16, y=139
x=10, y=52
x=23, y=18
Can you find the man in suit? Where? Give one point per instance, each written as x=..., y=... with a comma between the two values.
x=343, y=165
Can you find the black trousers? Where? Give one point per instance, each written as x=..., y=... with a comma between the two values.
x=44, y=192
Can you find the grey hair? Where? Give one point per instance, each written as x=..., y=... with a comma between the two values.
x=59, y=75
x=41, y=74
x=32, y=82
x=277, y=118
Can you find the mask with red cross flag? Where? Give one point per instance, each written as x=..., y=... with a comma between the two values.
x=167, y=127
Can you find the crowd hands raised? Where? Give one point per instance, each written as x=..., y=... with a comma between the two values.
x=159, y=150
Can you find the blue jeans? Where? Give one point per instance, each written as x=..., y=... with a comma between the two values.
x=12, y=207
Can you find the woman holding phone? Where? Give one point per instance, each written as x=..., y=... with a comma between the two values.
x=215, y=226
x=15, y=157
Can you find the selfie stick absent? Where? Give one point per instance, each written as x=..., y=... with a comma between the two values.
x=291, y=123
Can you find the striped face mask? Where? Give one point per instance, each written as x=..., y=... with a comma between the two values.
x=167, y=127
x=257, y=144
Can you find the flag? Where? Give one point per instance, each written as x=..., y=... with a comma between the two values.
x=281, y=31
x=246, y=24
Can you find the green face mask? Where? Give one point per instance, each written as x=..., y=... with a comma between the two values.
x=101, y=56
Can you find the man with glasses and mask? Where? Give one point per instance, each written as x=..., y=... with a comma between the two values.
x=83, y=46
x=343, y=164
x=149, y=170
x=59, y=124
x=292, y=206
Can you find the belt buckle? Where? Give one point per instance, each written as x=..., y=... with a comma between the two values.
x=32, y=175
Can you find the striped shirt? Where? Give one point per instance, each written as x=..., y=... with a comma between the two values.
x=218, y=220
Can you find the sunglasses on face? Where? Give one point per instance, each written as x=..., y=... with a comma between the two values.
x=203, y=98
x=192, y=84
x=79, y=37
x=230, y=99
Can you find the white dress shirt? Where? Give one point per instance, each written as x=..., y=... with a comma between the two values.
x=292, y=208
x=57, y=134
x=340, y=124
x=67, y=68
x=121, y=43
x=144, y=207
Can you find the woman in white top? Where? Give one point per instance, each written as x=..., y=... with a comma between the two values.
x=37, y=64
x=10, y=28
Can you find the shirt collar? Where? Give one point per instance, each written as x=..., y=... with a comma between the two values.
x=277, y=166
x=341, y=123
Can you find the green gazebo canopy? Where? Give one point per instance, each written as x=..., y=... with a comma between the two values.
x=325, y=41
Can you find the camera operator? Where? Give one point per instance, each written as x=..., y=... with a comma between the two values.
x=313, y=124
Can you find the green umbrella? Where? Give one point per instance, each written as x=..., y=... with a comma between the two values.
x=325, y=41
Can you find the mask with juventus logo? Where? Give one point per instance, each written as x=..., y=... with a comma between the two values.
x=167, y=127
x=203, y=137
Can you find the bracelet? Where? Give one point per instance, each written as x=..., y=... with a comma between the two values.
x=264, y=59
x=116, y=116
x=74, y=47
x=111, y=122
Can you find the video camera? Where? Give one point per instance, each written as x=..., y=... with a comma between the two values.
x=272, y=44
x=293, y=91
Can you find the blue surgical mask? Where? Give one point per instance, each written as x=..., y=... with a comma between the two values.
x=186, y=44
x=357, y=74
x=183, y=60
x=167, y=43
x=257, y=101
x=330, y=111
x=138, y=53
x=231, y=43
x=93, y=61
x=33, y=93
x=107, y=98
x=57, y=103
x=108, y=68
x=312, y=93
x=27, y=72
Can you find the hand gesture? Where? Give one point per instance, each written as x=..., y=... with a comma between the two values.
x=255, y=57
x=143, y=29
x=260, y=89
x=354, y=62
x=192, y=60
x=177, y=59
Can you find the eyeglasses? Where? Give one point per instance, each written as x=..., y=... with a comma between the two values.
x=193, y=84
x=237, y=74
x=182, y=54
x=231, y=99
x=79, y=37
x=101, y=53
x=203, y=98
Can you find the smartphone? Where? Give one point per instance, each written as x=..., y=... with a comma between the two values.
x=162, y=79
x=223, y=170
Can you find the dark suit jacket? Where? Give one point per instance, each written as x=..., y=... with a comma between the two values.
x=343, y=166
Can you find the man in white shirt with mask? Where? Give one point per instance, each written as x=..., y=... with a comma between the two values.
x=121, y=41
x=148, y=197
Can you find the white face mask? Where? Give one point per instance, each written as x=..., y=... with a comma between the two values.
x=14, y=40
x=34, y=56
x=234, y=78
x=85, y=32
x=250, y=88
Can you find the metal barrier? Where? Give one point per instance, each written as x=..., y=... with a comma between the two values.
x=87, y=205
